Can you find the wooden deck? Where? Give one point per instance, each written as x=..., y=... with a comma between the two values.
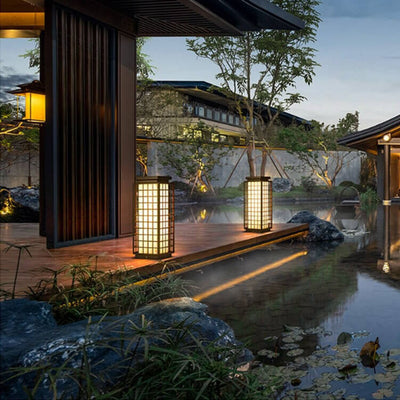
x=193, y=242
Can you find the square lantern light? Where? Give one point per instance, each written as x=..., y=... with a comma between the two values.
x=35, y=101
x=154, y=209
x=258, y=204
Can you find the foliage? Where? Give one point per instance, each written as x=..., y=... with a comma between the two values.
x=308, y=184
x=17, y=143
x=159, y=111
x=317, y=147
x=92, y=291
x=368, y=172
x=144, y=69
x=179, y=367
x=33, y=55
x=259, y=71
x=195, y=158
x=369, y=199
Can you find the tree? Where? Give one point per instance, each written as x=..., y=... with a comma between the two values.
x=33, y=55
x=318, y=149
x=259, y=70
x=194, y=155
x=18, y=142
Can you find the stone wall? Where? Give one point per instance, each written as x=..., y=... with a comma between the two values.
x=290, y=163
x=17, y=174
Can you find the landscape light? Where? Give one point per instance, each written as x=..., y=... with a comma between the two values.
x=35, y=101
x=258, y=204
x=154, y=228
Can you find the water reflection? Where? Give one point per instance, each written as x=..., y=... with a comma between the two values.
x=311, y=289
x=353, y=287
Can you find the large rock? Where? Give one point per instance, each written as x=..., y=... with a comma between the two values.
x=26, y=197
x=29, y=336
x=319, y=230
x=281, y=185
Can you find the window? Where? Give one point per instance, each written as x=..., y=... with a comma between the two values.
x=217, y=115
x=223, y=117
x=200, y=111
x=209, y=113
x=230, y=119
x=237, y=121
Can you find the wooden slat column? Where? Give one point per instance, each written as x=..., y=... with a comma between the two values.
x=80, y=136
x=126, y=132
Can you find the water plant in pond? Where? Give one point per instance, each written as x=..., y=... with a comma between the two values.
x=331, y=372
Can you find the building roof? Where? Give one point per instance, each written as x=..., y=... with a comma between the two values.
x=204, y=17
x=163, y=17
x=210, y=93
x=367, y=139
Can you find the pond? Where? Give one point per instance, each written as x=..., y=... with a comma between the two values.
x=290, y=302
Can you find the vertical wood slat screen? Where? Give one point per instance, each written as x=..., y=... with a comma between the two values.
x=86, y=129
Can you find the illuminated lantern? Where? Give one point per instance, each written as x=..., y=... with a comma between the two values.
x=35, y=101
x=154, y=227
x=258, y=204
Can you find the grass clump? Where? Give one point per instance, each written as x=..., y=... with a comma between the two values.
x=95, y=292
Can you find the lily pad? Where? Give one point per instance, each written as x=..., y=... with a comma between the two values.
x=295, y=352
x=382, y=394
x=344, y=338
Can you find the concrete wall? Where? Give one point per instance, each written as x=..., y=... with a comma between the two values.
x=17, y=174
x=290, y=163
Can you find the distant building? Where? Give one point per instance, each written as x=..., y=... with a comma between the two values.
x=202, y=101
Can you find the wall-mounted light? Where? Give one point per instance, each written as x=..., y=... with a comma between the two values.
x=258, y=204
x=155, y=226
x=387, y=137
x=35, y=101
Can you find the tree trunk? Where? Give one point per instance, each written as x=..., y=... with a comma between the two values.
x=250, y=159
x=264, y=156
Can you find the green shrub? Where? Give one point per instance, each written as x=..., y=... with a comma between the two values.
x=308, y=183
x=369, y=199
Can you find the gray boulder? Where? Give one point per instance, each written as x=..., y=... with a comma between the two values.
x=26, y=197
x=29, y=336
x=319, y=230
x=281, y=185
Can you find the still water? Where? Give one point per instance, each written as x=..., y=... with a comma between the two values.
x=317, y=292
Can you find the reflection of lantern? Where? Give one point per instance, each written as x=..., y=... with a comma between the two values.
x=35, y=101
x=258, y=204
x=154, y=227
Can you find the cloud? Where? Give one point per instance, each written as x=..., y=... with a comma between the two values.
x=389, y=9
x=9, y=81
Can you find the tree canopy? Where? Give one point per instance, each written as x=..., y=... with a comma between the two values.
x=259, y=70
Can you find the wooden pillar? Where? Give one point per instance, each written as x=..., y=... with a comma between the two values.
x=126, y=132
x=386, y=176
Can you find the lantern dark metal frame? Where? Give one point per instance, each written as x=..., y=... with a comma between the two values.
x=258, y=204
x=154, y=233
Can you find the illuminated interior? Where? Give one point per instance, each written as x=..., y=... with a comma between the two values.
x=258, y=204
x=154, y=230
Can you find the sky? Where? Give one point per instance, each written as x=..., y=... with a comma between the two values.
x=358, y=48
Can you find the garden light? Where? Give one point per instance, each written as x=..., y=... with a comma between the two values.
x=258, y=204
x=154, y=228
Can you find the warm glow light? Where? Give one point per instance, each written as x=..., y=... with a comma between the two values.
x=246, y=277
x=387, y=137
x=386, y=267
x=154, y=227
x=258, y=204
x=35, y=101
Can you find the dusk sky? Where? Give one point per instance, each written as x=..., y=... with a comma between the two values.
x=358, y=47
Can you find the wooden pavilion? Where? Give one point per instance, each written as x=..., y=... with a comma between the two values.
x=88, y=68
x=383, y=141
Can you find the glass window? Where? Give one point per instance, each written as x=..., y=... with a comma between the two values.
x=237, y=121
x=201, y=112
x=217, y=115
x=223, y=117
x=209, y=113
x=230, y=119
